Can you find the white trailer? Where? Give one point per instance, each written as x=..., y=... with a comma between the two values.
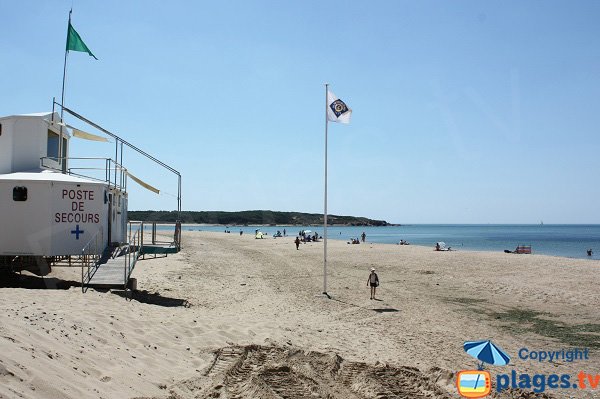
x=51, y=214
x=25, y=139
x=44, y=211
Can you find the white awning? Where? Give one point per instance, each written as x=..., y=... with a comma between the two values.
x=78, y=132
x=86, y=136
x=143, y=184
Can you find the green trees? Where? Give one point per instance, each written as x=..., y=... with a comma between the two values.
x=256, y=217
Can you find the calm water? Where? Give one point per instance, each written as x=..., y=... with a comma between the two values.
x=558, y=240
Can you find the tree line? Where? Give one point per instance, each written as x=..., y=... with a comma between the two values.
x=257, y=217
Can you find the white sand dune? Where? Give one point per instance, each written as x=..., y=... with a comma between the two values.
x=232, y=316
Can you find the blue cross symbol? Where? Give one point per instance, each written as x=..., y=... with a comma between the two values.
x=77, y=232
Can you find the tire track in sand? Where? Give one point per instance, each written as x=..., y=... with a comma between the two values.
x=271, y=372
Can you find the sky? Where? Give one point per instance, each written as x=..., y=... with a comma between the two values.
x=463, y=111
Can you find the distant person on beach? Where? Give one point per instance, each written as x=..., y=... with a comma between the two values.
x=590, y=252
x=284, y=233
x=363, y=236
x=373, y=281
x=297, y=242
x=241, y=232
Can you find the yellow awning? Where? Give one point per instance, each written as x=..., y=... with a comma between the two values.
x=86, y=136
x=143, y=184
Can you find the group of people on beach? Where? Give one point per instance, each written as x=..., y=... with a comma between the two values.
x=440, y=246
x=303, y=237
x=357, y=240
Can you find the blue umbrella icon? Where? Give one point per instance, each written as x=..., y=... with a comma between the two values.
x=486, y=352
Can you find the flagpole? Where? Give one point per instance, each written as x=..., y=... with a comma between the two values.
x=325, y=204
x=62, y=101
x=62, y=98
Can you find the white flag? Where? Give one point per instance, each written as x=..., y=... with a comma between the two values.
x=337, y=110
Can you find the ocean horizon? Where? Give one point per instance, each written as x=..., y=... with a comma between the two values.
x=565, y=240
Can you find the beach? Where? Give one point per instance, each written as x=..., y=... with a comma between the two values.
x=232, y=316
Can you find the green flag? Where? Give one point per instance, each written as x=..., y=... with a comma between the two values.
x=75, y=43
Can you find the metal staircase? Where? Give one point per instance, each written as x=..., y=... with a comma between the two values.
x=112, y=265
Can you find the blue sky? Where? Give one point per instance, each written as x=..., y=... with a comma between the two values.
x=463, y=112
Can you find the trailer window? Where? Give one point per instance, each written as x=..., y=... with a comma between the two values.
x=20, y=193
x=64, y=148
x=52, y=149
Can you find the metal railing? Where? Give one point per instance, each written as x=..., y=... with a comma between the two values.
x=91, y=254
x=119, y=143
x=177, y=235
x=114, y=173
x=134, y=247
x=161, y=233
x=167, y=237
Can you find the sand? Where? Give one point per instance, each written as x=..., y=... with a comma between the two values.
x=236, y=317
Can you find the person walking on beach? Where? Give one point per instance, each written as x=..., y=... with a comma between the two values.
x=363, y=236
x=297, y=242
x=373, y=281
x=284, y=233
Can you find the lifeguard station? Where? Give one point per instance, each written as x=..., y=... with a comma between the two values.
x=57, y=210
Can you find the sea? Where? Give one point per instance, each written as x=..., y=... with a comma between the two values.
x=565, y=240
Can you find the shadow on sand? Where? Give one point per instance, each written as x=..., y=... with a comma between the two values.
x=152, y=298
x=378, y=310
x=386, y=310
x=26, y=281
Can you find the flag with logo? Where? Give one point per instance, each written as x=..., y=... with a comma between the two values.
x=337, y=110
x=75, y=43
